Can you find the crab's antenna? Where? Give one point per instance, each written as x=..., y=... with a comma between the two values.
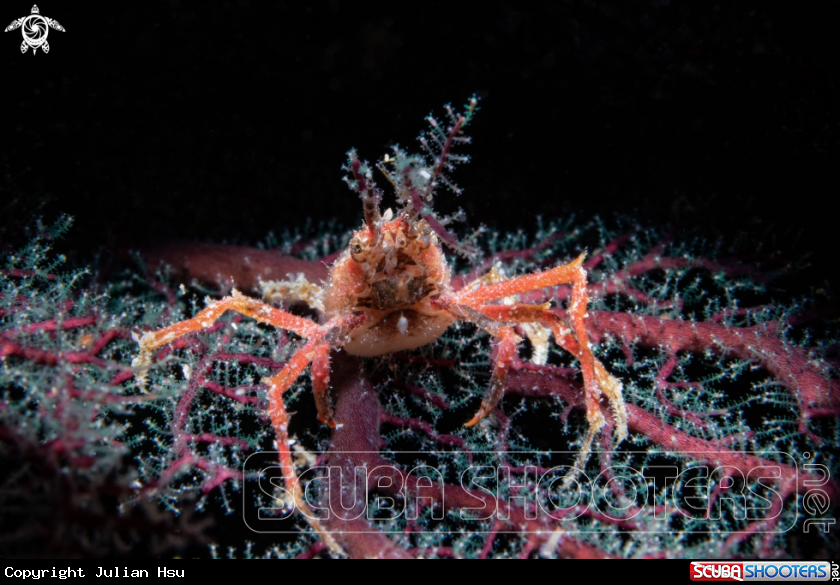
x=362, y=183
x=370, y=204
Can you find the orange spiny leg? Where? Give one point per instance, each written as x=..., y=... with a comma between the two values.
x=281, y=382
x=238, y=302
x=321, y=384
x=277, y=386
x=504, y=358
x=574, y=273
x=505, y=355
x=607, y=384
x=315, y=350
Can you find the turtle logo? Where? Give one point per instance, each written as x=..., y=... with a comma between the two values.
x=35, y=28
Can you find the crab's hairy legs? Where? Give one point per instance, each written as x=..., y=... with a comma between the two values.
x=505, y=355
x=238, y=302
x=321, y=384
x=573, y=273
x=315, y=350
x=607, y=383
x=277, y=386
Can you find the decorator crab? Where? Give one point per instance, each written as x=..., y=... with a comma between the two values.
x=390, y=290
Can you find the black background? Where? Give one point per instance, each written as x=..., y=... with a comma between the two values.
x=222, y=121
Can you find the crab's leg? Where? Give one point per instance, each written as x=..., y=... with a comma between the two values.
x=315, y=350
x=318, y=353
x=607, y=383
x=504, y=358
x=573, y=273
x=505, y=354
x=277, y=386
x=238, y=302
x=321, y=383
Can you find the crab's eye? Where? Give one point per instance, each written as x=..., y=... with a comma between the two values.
x=357, y=251
x=424, y=234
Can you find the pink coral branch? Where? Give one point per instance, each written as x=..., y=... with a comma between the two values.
x=655, y=429
x=56, y=324
x=221, y=265
x=423, y=427
x=789, y=364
